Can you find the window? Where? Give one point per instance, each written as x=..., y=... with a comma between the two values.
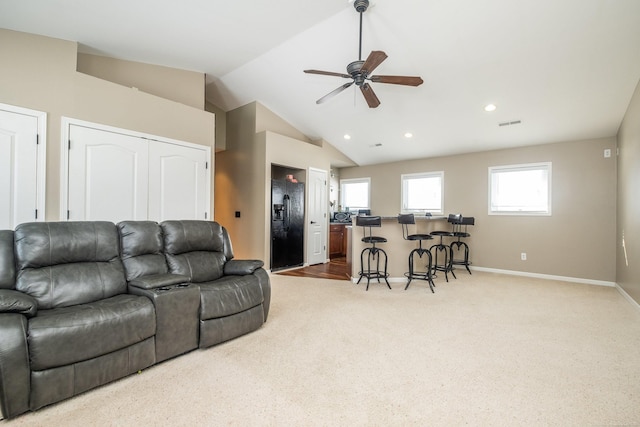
x=354, y=194
x=520, y=189
x=422, y=192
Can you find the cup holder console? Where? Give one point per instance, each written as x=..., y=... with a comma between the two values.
x=177, y=306
x=168, y=288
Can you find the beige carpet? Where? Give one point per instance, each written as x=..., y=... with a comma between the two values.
x=485, y=350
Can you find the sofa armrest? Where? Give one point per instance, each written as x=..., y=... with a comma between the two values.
x=12, y=301
x=265, y=284
x=15, y=374
x=158, y=281
x=241, y=267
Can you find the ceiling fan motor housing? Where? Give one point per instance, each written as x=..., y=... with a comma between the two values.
x=354, y=69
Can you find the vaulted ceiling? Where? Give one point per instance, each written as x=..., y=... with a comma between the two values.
x=557, y=70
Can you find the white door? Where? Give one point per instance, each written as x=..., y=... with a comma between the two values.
x=317, y=217
x=21, y=166
x=108, y=176
x=178, y=182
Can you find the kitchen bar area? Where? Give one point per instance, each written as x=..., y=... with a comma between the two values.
x=396, y=247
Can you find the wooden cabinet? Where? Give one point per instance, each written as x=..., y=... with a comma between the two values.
x=337, y=241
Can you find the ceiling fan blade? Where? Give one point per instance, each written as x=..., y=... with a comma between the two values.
x=328, y=73
x=333, y=93
x=374, y=59
x=397, y=80
x=369, y=95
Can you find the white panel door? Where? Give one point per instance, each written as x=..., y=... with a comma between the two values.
x=18, y=168
x=317, y=217
x=178, y=182
x=108, y=175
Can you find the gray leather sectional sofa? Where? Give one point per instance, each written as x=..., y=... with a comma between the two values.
x=86, y=303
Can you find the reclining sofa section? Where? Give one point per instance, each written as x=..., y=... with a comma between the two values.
x=85, y=303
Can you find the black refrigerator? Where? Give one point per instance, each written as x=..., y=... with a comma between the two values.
x=287, y=224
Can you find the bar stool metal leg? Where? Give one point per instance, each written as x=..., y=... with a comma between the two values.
x=372, y=251
x=427, y=274
x=464, y=261
x=409, y=219
x=446, y=267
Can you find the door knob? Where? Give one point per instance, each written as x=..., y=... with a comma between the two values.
x=313, y=222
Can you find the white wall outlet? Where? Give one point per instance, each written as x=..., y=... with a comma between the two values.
x=523, y=256
x=607, y=153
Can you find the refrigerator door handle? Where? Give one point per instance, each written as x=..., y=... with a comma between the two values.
x=287, y=212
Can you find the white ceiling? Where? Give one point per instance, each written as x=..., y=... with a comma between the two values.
x=565, y=68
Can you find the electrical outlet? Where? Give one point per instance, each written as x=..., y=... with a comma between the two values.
x=523, y=256
x=607, y=153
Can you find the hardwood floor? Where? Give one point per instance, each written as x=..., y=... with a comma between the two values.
x=336, y=269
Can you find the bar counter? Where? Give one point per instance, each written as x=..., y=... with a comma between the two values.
x=396, y=247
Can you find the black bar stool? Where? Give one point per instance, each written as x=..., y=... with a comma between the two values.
x=446, y=266
x=461, y=233
x=405, y=220
x=373, y=252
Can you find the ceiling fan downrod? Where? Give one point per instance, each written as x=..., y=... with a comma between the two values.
x=360, y=6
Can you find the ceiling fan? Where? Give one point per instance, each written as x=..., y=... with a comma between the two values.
x=360, y=71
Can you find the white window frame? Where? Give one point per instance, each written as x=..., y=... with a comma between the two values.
x=494, y=170
x=355, y=181
x=405, y=178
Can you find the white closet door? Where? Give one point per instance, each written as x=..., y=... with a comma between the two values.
x=108, y=175
x=178, y=182
x=18, y=168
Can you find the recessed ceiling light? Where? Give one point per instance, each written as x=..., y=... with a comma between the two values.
x=408, y=135
x=347, y=136
x=490, y=107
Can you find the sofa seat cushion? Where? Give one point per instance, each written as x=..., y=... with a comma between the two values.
x=68, y=335
x=229, y=295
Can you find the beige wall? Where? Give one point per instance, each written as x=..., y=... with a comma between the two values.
x=577, y=240
x=267, y=120
x=185, y=87
x=628, y=223
x=40, y=73
x=239, y=181
x=243, y=173
x=221, y=125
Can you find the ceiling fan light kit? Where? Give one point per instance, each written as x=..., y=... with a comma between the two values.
x=360, y=71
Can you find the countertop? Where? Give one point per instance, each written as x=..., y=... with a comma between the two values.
x=417, y=217
x=395, y=217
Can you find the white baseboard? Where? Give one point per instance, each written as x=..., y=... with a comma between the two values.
x=524, y=274
x=546, y=276
x=538, y=276
x=627, y=296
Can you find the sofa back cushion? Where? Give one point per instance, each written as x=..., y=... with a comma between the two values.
x=7, y=263
x=68, y=263
x=141, y=249
x=198, y=249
